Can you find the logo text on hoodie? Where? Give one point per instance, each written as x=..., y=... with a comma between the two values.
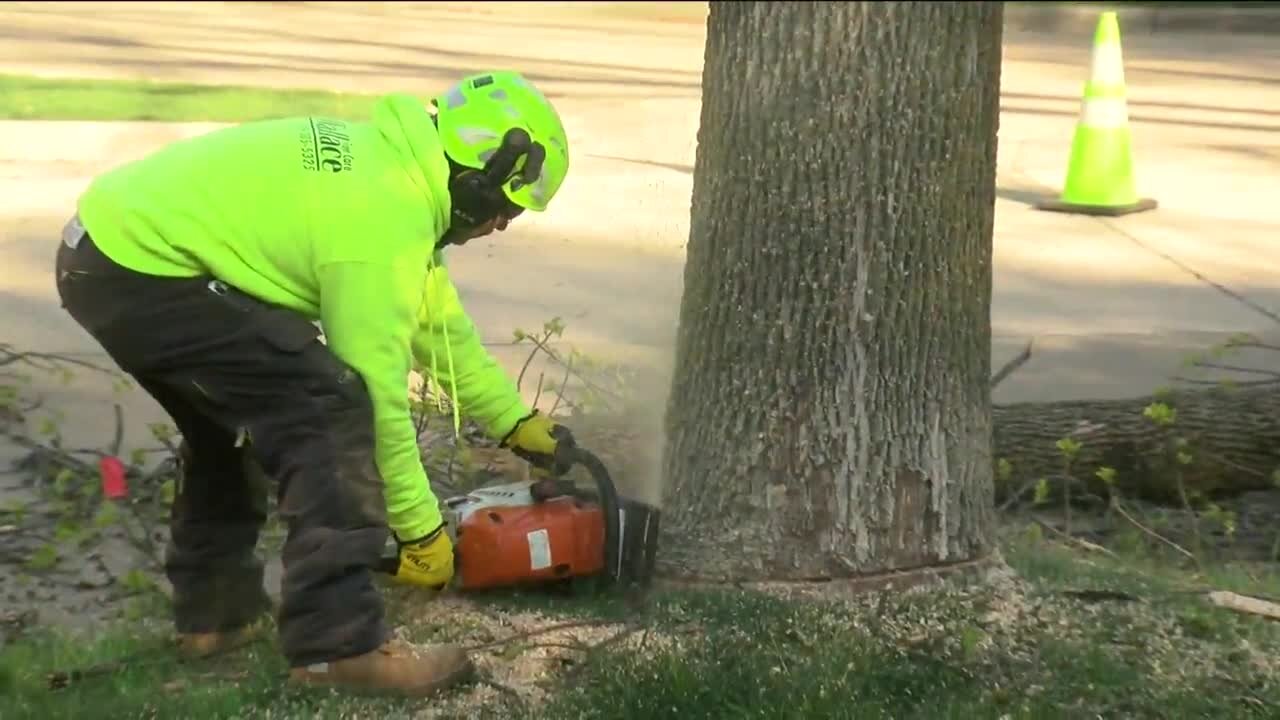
x=326, y=146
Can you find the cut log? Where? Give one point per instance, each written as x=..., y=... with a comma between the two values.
x=1232, y=435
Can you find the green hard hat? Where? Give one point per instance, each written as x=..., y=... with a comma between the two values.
x=475, y=114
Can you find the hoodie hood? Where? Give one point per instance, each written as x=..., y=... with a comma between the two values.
x=404, y=123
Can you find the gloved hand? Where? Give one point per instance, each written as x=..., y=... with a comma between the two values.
x=537, y=438
x=427, y=561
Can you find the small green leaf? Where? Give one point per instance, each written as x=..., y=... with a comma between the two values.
x=1242, y=338
x=1042, y=491
x=554, y=326
x=1068, y=447
x=48, y=427
x=17, y=510
x=1033, y=533
x=65, y=530
x=87, y=536
x=970, y=638
x=167, y=492
x=106, y=516
x=1107, y=475
x=1184, y=458
x=62, y=481
x=44, y=558
x=160, y=431
x=137, y=581
x=1004, y=469
x=1160, y=414
x=137, y=457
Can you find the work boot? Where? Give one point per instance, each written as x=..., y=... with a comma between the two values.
x=198, y=646
x=396, y=667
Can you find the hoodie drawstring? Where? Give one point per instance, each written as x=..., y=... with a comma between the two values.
x=438, y=325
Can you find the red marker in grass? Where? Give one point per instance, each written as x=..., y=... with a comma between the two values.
x=114, y=485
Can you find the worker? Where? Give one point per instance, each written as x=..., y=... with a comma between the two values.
x=202, y=270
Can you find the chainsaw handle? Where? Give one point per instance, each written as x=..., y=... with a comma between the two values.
x=610, y=508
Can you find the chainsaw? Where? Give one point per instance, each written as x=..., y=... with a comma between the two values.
x=550, y=530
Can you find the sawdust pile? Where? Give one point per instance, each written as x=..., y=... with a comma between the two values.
x=520, y=655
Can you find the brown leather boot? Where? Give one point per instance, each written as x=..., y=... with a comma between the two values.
x=396, y=667
x=197, y=646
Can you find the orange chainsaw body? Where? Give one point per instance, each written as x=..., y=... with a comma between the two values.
x=504, y=536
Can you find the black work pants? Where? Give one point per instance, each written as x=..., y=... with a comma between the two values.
x=227, y=367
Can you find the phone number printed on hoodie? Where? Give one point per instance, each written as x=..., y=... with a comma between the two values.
x=326, y=146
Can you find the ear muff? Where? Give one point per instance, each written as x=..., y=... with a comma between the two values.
x=477, y=195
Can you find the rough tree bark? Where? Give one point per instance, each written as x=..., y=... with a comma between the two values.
x=830, y=409
x=1233, y=440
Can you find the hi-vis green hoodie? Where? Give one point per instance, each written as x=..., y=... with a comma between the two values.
x=338, y=221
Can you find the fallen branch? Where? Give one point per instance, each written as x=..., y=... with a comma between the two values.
x=576, y=647
x=541, y=631
x=1245, y=604
x=1018, y=361
x=525, y=368
x=117, y=440
x=1079, y=542
x=585, y=380
x=46, y=361
x=1238, y=368
x=1153, y=533
x=503, y=688
x=568, y=368
x=1252, y=344
x=1269, y=382
x=60, y=457
x=1015, y=496
x=614, y=639
x=1100, y=595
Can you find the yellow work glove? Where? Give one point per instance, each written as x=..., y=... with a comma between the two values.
x=427, y=561
x=537, y=438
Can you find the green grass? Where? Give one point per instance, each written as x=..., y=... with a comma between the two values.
x=34, y=98
x=1019, y=648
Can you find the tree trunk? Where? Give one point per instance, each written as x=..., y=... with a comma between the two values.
x=830, y=408
x=1232, y=436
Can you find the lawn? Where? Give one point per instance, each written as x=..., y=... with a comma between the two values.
x=25, y=97
x=1068, y=634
